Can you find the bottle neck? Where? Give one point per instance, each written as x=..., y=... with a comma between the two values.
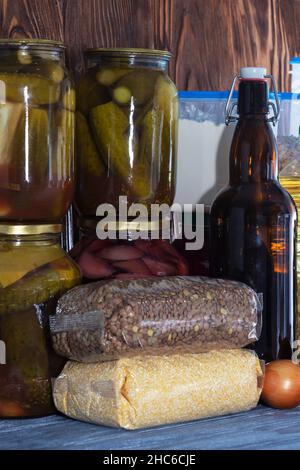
x=253, y=154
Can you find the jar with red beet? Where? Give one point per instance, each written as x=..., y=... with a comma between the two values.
x=126, y=259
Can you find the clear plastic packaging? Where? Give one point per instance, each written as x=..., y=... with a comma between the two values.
x=148, y=391
x=109, y=320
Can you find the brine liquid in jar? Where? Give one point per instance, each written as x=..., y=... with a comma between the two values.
x=126, y=129
x=37, y=119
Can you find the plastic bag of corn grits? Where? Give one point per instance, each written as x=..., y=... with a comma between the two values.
x=148, y=391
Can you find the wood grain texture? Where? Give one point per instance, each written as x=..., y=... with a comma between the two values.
x=210, y=39
x=261, y=428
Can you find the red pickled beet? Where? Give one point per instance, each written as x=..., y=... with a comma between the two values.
x=94, y=268
x=79, y=247
x=128, y=276
x=162, y=250
x=121, y=253
x=160, y=268
x=98, y=245
x=182, y=266
x=134, y=266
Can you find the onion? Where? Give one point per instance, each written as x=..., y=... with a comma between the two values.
x=282, y=384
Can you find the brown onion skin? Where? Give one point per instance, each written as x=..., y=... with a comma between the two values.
x=281, y=387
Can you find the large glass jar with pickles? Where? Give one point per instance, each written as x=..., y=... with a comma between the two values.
x=37, y=102
x=34, y=272
x=126, y=129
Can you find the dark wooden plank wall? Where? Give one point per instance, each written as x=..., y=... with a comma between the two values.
x=210, y=39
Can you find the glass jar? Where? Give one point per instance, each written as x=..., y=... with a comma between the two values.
x=37, y=103
x=289, y=176
x=126, y=129
x=125, y=257
x=35, y=271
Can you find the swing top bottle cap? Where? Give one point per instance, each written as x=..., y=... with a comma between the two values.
x=253, y=73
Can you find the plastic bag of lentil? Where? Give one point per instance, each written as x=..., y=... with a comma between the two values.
x=108, y=320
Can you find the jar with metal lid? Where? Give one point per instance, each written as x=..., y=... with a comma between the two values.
x=37, y=103
x=125, y=256
x=126, y=129
x=34, y=273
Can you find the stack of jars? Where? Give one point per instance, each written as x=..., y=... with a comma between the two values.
x=126, y=144
x=37, y=104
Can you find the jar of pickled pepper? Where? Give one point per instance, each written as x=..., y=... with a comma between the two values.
x=37, y=104
x=34, y=272
x=126, y=129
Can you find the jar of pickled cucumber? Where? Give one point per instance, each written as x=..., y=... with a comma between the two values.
x=126, y=129
x=34, y=272
x=37, y=119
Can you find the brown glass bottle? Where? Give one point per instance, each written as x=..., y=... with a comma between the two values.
x=253, y=223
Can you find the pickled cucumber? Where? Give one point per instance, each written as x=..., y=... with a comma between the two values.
x=69, y=277
x=54, y=71
x=38, y=286
x=107, y=76
x=69, y=99
x=88, y=160
x=34, y=289
x=147, y=169
x=20, y=87
x=122, y=95
x=17, y=262
x=140, y=85
x=90, y=93
x=151, y=138
x=110, y=129
x=24, y=338
x=31, y=152
x=166, y=98
x=63, y=161
x=24, y=57
x=141, y=181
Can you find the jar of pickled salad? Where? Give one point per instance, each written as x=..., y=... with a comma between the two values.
x=34, y=273
x=37, y=104
x=126, y=129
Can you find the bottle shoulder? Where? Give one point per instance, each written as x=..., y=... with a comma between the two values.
x=266, y=196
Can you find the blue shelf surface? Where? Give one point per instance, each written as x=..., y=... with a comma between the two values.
x=261, y=428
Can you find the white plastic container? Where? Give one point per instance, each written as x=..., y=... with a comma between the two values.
x=295, y=73
x=204, y=144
